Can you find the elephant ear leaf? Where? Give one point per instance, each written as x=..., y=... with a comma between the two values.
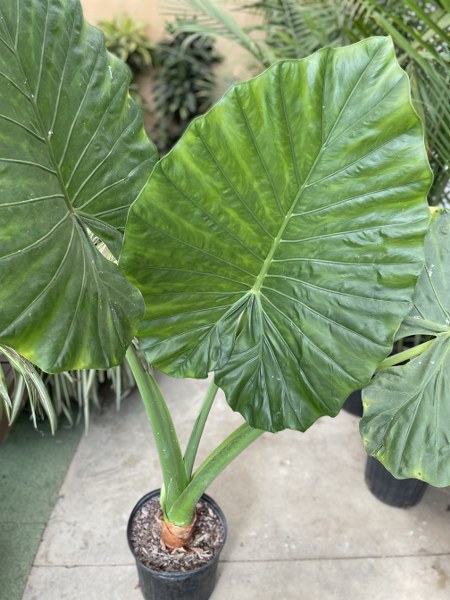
x=73, y=156
x=406, y=422
x=278, y=244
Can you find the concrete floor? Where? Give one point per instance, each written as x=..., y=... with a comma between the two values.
x=302, y=525
x=33, y=465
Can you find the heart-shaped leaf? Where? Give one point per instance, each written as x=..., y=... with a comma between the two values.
x=279, y=242
x=73, y=156
x=406, y=422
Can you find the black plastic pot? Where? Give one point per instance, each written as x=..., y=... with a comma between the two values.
x=197, y=584
x=402, y=493
x=353, y=404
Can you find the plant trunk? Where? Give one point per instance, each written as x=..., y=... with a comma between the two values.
x=173, y=536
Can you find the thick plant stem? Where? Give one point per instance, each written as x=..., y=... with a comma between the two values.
x=181, y=512
x=166, y=440
x=197, y=431
x=395, y=359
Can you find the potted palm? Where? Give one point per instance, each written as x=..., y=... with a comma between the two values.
x=277, y=245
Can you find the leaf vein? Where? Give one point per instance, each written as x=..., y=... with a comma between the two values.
x=349, y=97
x=232, y=186
x=38, y=241
x=358, y=196
x=31, y=200
x=289, y=131
x=23, y=126
x=331, y=291
x=366, y=114
x=44, y=290
x=102, y=162
x=258, y=151
x=339, y=233
x=29, y=163
x=209, y=215
x=327, y=358
x=206, y=273
x=286, y=345
x=85, y=149
x=83, y=100
x=321, y=316
x=359, y=159
x=58, y=95
x=188, y=245
x=189, y=312
x=41, y=61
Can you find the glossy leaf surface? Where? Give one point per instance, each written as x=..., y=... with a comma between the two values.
x=73, y=156
x=279, y=242
x=406, y=422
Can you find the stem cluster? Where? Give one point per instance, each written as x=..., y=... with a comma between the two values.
x=182, y=485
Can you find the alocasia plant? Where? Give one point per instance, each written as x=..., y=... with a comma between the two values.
x=287, y=228
x=277, y=245
x=406, y=415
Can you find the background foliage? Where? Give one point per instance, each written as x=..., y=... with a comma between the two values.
x=296, y=28
x=184, y=83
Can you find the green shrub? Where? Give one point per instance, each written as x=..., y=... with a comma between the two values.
x=127, y=40
x=184, y=85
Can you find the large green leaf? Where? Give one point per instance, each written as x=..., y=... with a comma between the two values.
x=279, y=242
x=406, y=422
x=73, y=156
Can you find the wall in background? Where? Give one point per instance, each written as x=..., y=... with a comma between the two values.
x=238, y=64
x=148, y=12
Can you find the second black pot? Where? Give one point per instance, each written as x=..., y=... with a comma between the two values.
x=402, y=493
x=353, y=404
x=197, y=584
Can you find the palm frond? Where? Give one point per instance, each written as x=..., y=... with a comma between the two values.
x=212, y=18
x=420, y=31
x=295, y=29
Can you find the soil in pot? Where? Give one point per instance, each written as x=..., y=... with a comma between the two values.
x=183, y=574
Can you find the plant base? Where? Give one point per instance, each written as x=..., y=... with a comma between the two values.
x=402, y=493
x=197, y=584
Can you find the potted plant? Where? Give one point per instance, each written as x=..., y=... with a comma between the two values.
x=405, y=403
x=405, y=423
x=277, y=245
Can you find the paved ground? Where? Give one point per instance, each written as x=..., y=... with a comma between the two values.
x=33, y=465
x=302, y=525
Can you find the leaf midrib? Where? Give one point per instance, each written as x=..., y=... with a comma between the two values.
x=276, y=242
x=268, y=261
